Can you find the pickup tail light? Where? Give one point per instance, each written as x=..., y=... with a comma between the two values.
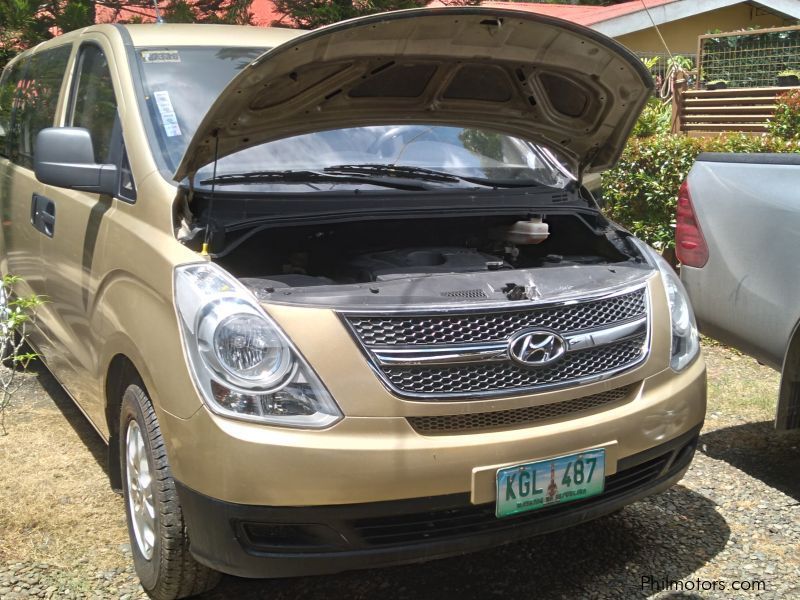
x=690, y=245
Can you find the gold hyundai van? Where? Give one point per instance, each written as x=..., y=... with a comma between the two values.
x=338, y=299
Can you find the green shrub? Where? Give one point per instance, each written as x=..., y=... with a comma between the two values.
x=641, y=191
x=654, y=120
x=785, y=124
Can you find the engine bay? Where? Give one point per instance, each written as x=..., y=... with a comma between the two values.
x=465, y=259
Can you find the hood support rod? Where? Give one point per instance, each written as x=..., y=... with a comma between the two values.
x=207, y=237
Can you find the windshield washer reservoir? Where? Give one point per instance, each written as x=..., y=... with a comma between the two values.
x=532, y=231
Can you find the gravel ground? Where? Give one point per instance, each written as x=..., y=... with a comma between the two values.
x=733, y=520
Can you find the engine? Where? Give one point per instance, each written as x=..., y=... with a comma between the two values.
x=380, y=266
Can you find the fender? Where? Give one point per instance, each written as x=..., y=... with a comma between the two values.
x=139, y=322
x=141, y=344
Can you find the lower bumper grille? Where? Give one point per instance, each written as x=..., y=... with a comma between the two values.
x=518, y=417
x=468, y=520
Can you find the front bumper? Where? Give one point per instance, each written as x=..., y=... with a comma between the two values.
x=263, y=541
x=375, y=459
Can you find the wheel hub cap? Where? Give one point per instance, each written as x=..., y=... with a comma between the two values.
x=140, y=490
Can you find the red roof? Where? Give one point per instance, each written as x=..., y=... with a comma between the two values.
x=263, y=11
x=582, y=15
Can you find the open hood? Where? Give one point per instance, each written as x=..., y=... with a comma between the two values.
x=565, y=86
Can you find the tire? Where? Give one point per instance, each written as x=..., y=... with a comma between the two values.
x=159, y=541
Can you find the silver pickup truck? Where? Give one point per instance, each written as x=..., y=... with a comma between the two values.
x=738, y=219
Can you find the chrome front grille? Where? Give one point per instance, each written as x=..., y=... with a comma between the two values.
x=461, y=355
x=507, y=376
x=517, y=417
x=496, y=326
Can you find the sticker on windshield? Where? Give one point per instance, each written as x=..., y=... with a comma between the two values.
x=161, y=56
x=168, y=116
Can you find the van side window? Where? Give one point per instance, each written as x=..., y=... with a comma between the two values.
x=9, y=84
x=127, y=186
x=35, y=104
x=94, y=105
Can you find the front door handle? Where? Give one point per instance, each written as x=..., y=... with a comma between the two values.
x=43, y=215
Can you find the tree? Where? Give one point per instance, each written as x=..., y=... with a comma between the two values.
x=233, y=12
x=309, y=14
x=25, y=23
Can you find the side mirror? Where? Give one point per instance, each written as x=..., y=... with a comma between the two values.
x=64, y=157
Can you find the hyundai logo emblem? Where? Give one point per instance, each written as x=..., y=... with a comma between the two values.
x=536, y=347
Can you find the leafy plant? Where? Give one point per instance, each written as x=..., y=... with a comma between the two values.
x=680, y=62
x=640, y=193
x=649, y=62
x=654, y=120
x=789, y=73
x=785, y=123
x=16, y=313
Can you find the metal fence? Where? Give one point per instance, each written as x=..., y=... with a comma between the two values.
x=660, y=69
x=748, y=58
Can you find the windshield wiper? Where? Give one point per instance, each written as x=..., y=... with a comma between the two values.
x=422, y=173
x=394, y=171
x=309, y=177
x=400, y=177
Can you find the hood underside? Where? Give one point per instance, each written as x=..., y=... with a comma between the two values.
x=566, y=87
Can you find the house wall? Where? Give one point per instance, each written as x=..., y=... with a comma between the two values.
x=681, y=36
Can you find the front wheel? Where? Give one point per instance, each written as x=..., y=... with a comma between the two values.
x=159, y=541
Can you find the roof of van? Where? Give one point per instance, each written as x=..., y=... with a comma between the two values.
x=185, y=34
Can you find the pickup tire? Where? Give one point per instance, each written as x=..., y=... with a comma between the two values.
x=159, y=540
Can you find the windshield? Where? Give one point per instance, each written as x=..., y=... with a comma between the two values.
x=181, y=84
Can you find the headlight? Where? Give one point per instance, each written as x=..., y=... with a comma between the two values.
x=685, y=339
x=239, y=345
x=242, y=363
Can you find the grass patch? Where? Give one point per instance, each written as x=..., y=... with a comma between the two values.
x=737, y=385
x=56, y=505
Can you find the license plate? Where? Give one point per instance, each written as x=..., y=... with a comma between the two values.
x=535, y=485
